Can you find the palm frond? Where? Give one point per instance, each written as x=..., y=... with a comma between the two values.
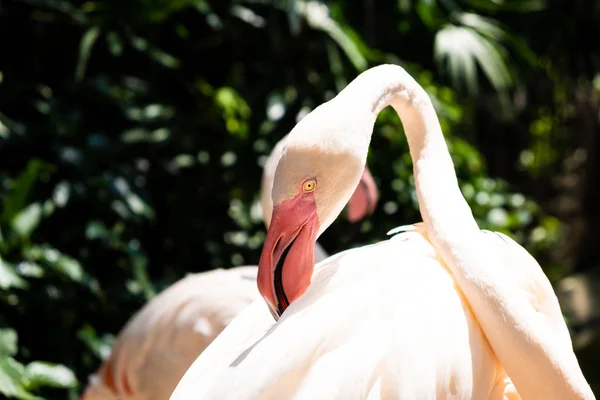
x=460, y=49
x=317, y=16
x=483, y=25
x=497, y=33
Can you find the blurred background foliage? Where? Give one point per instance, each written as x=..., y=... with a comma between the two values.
x=133, y=134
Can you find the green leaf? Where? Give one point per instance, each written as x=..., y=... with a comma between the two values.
x=97, y=230
x=139, y=135
x=404, y=6
x=25, y=222
x=140, y=270
x=40, y=373
x=158, y=10
x=524, y=6
x=293, y=17
x=85, y=49
x=427, y=10
x=60, y=262
x=154, y=52
x=248, y=16
x=100, y=346
x=70, y=267
x=4, y=131
x=115, y=44
x=235, y=111
x=64, y=7
x=8, y=126
x=8, y=342
x=29, y=269
x=61, y=194
x=317, y=16
x=134, y=202
x=9, y=278
x=21, y=187
x=11, y=379
x=335, y=64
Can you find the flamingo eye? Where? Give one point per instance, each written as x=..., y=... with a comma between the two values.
x=309, y=185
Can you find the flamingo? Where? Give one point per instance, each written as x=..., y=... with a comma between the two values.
x=159, y=343
x=441, y=310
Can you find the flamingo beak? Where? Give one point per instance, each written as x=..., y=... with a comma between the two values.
x=364, y=199
x=287, y=259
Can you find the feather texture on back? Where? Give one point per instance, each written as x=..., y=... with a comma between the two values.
x=161, y=341
x=366, y=328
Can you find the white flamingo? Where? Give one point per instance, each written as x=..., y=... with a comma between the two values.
x=159, y=343
x=442, y=310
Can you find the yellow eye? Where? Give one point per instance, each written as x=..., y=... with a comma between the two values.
x=309, y=185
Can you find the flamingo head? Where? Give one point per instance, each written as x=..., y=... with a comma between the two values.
x=317, y=174
x=362, y=203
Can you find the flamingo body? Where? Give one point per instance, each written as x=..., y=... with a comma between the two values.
x=409, y=335
x=443, y=311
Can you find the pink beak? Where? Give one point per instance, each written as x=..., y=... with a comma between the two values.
x=287, y=258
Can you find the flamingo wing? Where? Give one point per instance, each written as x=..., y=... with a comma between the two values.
x=381, y=321
x=161, y=341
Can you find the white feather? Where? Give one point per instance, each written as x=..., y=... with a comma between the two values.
x=384, y=321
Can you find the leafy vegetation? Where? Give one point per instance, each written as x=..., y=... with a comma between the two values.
x=133, y=134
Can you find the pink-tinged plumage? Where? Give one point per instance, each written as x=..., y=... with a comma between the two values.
x=442, y=310
x=363, y=201
x=159, y=343
x=384, y=321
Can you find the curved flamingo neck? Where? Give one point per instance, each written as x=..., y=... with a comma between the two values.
x=478, y=267
x=499, y=300
x=435, y=179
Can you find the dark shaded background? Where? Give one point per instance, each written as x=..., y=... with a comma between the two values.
x=132, y=135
